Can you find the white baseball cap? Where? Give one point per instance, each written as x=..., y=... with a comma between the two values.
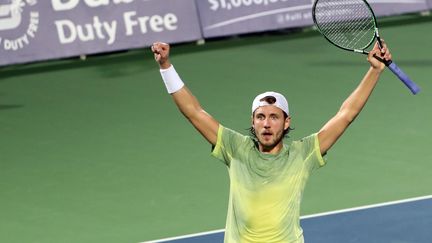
x=280, y=101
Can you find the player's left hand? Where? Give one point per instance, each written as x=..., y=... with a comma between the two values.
x=382, y=53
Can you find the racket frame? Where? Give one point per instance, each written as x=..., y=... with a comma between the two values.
x=363, y=51
x=389, y=63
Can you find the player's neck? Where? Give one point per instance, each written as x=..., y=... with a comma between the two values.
x=270, y=149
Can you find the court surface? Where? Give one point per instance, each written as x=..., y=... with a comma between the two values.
x=95, y=151
x=410, y=221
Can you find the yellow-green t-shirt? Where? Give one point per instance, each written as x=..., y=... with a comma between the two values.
x=265, y=190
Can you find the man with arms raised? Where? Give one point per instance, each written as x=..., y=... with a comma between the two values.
x=267, y=177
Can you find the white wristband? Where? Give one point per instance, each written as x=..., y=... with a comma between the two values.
x=171, y=79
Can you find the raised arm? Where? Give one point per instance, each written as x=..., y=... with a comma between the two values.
x=183, y=97
x=351, y=107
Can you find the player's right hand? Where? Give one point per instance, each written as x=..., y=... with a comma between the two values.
x=161, y=54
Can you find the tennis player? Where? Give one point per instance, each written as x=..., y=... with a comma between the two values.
x=267, y=176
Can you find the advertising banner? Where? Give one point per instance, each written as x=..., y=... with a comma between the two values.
x=44, y=29
x=228, y=17
x=34, y=30
x=395, y=7
x=429, y=4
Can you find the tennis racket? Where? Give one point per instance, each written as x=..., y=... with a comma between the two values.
x=352, y=26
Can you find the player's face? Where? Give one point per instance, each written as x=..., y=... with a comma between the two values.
x=269, y=123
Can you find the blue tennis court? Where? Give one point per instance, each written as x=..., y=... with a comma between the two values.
x=405, y=221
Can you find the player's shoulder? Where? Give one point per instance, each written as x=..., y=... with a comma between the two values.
x=225, y=131
x=234, y=140
x=309, y=139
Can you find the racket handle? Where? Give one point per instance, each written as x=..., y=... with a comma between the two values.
x=403, y=77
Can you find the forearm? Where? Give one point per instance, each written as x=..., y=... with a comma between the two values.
x=358, y=98
x=352, y=106
x=189, y=105
x=187, y=102
x=183, y=98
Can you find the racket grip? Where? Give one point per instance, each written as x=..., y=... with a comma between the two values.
x=404, y=78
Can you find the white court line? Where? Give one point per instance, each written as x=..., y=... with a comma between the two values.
x=186, y=236
x=306, y=217
x=367, y=207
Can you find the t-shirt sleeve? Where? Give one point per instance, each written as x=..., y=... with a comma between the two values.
x=311, y=150
x=227, y=144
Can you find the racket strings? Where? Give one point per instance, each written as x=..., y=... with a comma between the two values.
x=349, y=24
x=362, y=33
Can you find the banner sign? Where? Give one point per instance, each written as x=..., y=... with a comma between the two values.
x=34, y=30
x=395, y=7
x=44, y=29
x=228, y=17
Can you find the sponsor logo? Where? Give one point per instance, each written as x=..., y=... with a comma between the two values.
x=19, y=23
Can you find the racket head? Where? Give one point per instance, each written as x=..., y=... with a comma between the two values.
x=348, y=24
